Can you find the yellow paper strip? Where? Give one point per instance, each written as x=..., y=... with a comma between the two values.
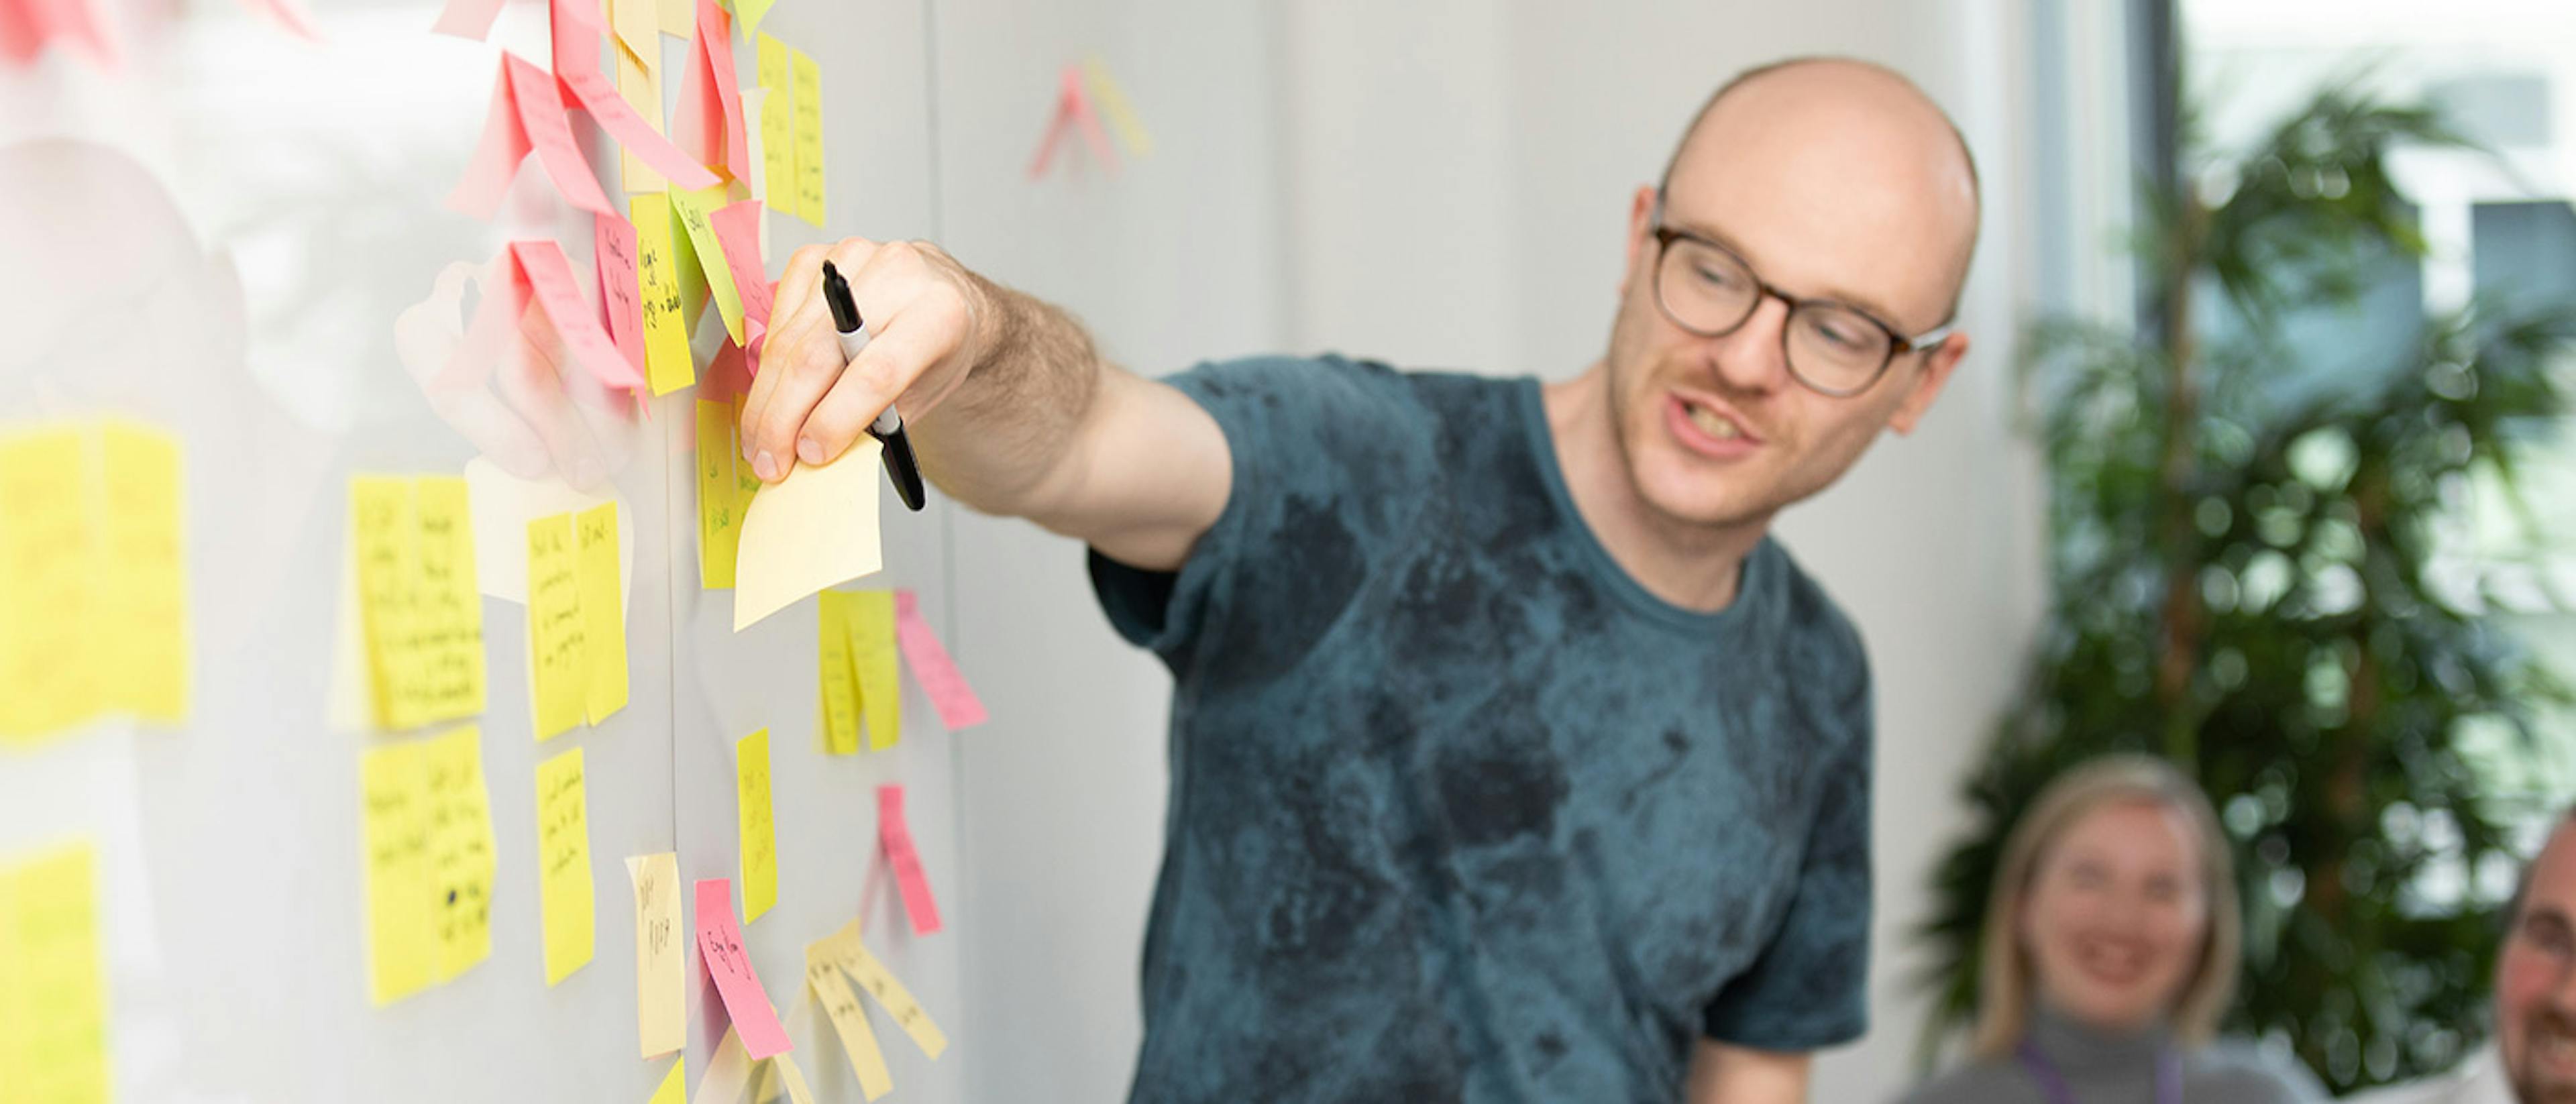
x=48, y=555
x=53, y=979
x=809, y=137
x=719, y=519
x=402, y=951
x=558, y=656
x=381, y=535
x=814, y=529
x=756, y=824
x=694, y=210
x=870, y=621
x=777, y=124
x=668, y=364
x=147, y=562
x=844, y=950
x=447, y=610
x=639, y=83
x=840, y=1004
x=462, y=859
x=1113, y=103
x=675, y=1089
x=603, y=612
x=836, y=674
x=660, y=980
x=563, y=865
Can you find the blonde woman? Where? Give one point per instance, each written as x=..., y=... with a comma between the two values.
x=2110, y=953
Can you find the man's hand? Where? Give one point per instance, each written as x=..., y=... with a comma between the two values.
x=1722, y=1074
x=922, y=311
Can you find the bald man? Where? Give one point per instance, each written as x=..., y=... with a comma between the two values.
x=1511, y=759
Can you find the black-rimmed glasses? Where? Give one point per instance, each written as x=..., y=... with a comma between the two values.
x=1832, y=348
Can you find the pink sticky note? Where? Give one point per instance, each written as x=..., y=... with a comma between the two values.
x=737, y=228
x=720, y=947
x=467, y=18
x=597, y=94
x=496, y=157
x=708, y=121
x=1073, y=112
x=576, y=27
x=932, y=668
x=896, y=836
x=27, y=26
x=542, y=120
x=613, y=251
x=287, y=14
x=549, y=274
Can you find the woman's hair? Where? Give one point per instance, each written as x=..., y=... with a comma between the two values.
x=2004, y=982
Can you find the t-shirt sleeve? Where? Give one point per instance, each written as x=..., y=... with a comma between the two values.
x=1809, y=988
x=1323, y=450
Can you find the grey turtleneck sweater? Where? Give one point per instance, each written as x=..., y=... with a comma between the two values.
x=2106, y=1068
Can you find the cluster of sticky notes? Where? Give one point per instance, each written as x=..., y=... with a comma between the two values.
x=430, y=862
x=93, y=578
x=791, y=129
x=53, y=978
x=894, y=835
x=858, y=634
x=737, y=984
x=1078, y=90
x=660, y=983
x=757, y=823
x=576, y=620
x=528, y=116
x=563, y=865
x=832, y=964
x=418, y=602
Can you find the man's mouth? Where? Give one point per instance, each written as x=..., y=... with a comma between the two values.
x=1709, y=428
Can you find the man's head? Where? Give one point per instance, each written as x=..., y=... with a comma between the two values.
x=1833, y=182
x=2535, y=989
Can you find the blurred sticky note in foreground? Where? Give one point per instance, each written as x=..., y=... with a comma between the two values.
x=932, y=666
x=402, y=949
x=419, y=604
x=814, y=529
x=757, y=824
x=720, y=948
x=53, y=978
x=563, y=864
x=660, y=979
x=675, y=1089
x=147, y=562
x=462, y=858
x=809, y=137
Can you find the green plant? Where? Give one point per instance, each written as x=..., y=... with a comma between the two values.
x=2243, y=529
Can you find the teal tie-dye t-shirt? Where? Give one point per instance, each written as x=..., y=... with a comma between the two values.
x=1459, y=811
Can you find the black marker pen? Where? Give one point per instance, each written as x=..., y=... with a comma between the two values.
x=901, y=467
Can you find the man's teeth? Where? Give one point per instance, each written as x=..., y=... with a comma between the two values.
x=1709, y=423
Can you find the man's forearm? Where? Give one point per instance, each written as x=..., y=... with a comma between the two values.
x=1007, y=432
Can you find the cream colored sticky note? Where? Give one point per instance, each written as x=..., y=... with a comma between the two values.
x=639, y=83
x=696, y=212
x=869, y=618
x=809, y=137
x=836, y=675
x=402, y=949
x=676, y=18
x=49, y=680
x=844, y=949
x=814, y=529
x=719, y=519
x=447, y=609
x=146, y=565
x=728, y=1073
x=777, y=123
x=603, y=611
x=840, y=1004
x=675, y=1088
x=757, y=825
x=563, y=865
x=660, y=952
x=53, y=978
x=462, y=858
x=558, y=656
x=668, y=365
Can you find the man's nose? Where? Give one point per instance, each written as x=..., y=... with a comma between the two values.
x=1754, y=358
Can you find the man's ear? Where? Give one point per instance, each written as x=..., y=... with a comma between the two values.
x=1641, y=225
x=1937, y=366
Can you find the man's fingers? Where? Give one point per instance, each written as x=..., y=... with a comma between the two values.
x=792, y=352
x=893, y=359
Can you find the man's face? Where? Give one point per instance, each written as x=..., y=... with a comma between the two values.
x=2535, y=999
x=1823, y=200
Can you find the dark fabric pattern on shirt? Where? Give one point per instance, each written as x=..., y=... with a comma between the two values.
x=1459, y=811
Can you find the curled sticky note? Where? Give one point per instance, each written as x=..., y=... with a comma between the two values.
x=933, y=668
x=542, y=267
x=720, y=947
x=814, y=529
x=708, y=121
x=527, y=115
x=896, y=837
x=598, y=95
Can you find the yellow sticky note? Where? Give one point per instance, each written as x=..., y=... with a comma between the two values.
x=719, y=518
x=660, y=949
x=777, y=124
x=603, y=611
x=675, y=1089
x=462, y=860
x=814, y=529
x=49, y=680
x=402, y=949
x=639, y=83
x=809, y=137
x=677, y=18
x=870, y=621
x=844, y=950
x=53, y=979
x=1113, y=103
x=694, y=210
x=447, y=610
x=668, y=365
x=563, y=864
x=840, y=1004
x=558, y=656
x=751, y=11
x=837, y=675
x=147, y=566
x=757, y=824
x=383, y=537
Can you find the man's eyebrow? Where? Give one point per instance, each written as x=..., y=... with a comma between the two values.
x=1876, y=311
